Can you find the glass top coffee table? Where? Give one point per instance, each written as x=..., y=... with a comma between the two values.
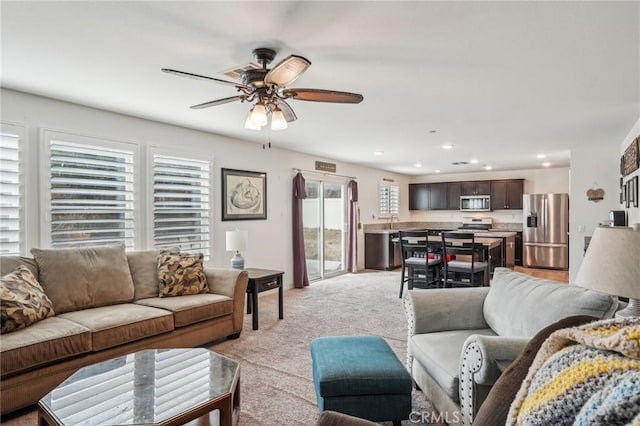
x=151, y=387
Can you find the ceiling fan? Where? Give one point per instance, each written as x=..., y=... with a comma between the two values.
x=267, y=89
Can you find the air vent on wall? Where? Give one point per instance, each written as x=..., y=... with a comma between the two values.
x=236, y=72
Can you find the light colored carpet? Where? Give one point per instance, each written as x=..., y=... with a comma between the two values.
x=275, y=363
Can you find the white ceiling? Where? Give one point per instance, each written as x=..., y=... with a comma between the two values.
x=501, y=81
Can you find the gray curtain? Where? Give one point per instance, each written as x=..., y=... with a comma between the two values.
x=352, y=226
x=300, y=278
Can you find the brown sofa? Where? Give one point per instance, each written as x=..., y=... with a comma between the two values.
x=107, y=305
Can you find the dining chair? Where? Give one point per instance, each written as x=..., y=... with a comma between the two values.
x=463, y=263
x=420, y=265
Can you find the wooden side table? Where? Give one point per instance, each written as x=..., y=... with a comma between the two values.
x=262, y=280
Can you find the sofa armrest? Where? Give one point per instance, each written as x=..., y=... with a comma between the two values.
x=445, y=309
x=226, y=281
x=479, y=369
x=231, y=283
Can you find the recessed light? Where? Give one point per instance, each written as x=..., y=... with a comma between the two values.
x=418, y=165
x=437, y=170
x=447, y=146
x=378, y=152
x=488, y=167
x=546, y=164
x=474, y=161
x=540, y=156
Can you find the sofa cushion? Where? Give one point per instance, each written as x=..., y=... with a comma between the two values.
x=192, y=308
x=22, y=300
x=84, y=277
x=11, y=263
x=181, y=274
x=119, y=324
x=143, y=265
x=521, y=305
x=52, y=339
x=439, y=354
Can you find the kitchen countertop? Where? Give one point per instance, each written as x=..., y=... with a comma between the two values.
x=488, y=234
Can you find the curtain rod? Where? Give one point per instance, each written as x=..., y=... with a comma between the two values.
x=322, y=173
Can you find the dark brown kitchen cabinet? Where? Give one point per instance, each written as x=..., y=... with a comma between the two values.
x=418, y=196
x=454, y=190
x=438, y=196
x=476, y=188
x=507, y=194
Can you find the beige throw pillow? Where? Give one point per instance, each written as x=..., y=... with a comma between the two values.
x=181, y=274
x=85, y=277
x=22, y=300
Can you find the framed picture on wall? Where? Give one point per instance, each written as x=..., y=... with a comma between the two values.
x=632, y=192
x=244, y=195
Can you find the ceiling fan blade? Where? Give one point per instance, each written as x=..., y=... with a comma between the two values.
x=218, y=102
x=319, y=95
x=286, y=109
x=205, y=78
x=287, y=71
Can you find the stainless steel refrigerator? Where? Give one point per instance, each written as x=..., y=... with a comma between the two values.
x=545, y=233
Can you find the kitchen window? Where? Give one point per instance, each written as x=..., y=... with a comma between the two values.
x=389, y=198
x=89, y=191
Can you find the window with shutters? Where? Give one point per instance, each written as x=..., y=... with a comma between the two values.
x=389, y=199
x=90, y=191
x=181, y=203
x=11, y=190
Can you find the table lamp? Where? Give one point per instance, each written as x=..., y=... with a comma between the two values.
x=236, y=241
x=612, y=265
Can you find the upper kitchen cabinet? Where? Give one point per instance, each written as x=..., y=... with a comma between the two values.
x=418, y=196
x=507, y=194
x=438, y=196
x=454, y=190
x=476, y=188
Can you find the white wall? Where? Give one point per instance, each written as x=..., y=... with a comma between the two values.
x=269, y=240
x=591, y=166
x=537, y=181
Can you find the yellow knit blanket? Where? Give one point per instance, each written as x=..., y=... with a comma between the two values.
x=586, y=375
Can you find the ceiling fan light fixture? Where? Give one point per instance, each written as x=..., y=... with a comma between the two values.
x=249, y=124
x=258, y=115
x=278, y=122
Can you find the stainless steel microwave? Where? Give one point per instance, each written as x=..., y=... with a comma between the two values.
x=475, y=203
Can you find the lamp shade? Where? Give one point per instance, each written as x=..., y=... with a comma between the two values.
x=278, y=122
x=612, y=262
x=237, y=240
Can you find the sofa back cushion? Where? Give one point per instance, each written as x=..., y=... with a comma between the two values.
x=143, y=265
x=84, y=277
x=521, y=305
x=10, y=263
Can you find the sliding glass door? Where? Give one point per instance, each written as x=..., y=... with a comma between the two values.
x=324, y=217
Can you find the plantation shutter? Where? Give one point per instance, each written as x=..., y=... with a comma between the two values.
x=91, y=194
x=181, y=203
x=11, y=197
x=389, y=199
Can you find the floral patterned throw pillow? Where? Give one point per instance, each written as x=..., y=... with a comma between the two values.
x=22, y=301
x=181, y=274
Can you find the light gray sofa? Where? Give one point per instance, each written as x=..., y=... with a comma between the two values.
x=460, y=339
x=107, y=305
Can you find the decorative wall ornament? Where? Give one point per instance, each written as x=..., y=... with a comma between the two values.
x=595, y=194
x=631, y=159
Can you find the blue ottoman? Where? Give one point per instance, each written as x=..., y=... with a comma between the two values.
x=360, y=376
